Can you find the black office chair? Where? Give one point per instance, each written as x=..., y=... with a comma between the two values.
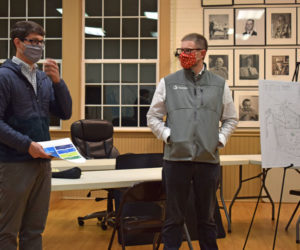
x=93, y=139
x=149, y=209
x=295, y=192
x=148, y=192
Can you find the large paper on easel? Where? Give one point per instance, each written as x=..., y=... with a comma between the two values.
x=279, y=112
x=63, y=149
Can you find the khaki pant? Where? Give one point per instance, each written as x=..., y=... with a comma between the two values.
x=24, y=202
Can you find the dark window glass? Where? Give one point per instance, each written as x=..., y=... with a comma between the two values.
x=112, y=27
x=130, y=27
x=128, y=117
x=111, y=94
x=130, y=49
x=111, y=49
x=53, y=27
x=112, y=114
x=93, y=7
x=148, y=73
x=92, y=27
x=4, y=8
x=3, y=49
x=130, y=8
x=92, y=112
x=149, y=5
x=111, y=73
x=52, y=6
x=54, y=121
x=148, y=28
x=143, y=116
x=3, y=28
x=92, y=73
x=53, y=49
x=129, y=94
x=148, y=49
x=35, y=8
x=111, y=7
x=129, y=73
x=17, y=8
x=146, y=94
x=93, y=49
x=93, y=95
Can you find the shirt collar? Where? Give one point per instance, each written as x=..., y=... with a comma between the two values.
x=23, y=64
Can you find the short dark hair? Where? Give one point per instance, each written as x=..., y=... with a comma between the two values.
x=245, y=100
x=197, y=39
x=252, y=20
x=22, y=29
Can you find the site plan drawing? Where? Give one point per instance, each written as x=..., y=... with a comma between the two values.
x=279, y=111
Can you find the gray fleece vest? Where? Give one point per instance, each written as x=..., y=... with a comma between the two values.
x=194, y=109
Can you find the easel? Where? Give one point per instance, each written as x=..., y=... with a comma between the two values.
x=294, y=79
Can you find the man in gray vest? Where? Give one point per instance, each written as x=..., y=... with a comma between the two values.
x=193, y=100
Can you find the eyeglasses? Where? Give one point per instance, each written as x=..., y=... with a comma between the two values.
x=186, y=51
x=35, y=41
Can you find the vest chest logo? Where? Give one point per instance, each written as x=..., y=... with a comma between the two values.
x=176, y=87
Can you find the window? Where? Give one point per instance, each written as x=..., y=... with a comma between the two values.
x=47, y=13
x=121, y=60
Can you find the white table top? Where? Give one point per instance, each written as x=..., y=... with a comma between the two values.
x=109, y=164
x=91, y=179
x=107, y=179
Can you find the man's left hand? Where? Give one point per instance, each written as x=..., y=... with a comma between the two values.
x=51, y=69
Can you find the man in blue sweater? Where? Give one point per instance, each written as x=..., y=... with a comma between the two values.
x=27, y=97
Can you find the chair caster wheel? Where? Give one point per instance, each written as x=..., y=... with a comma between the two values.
x=80, y=222
x=103, y=226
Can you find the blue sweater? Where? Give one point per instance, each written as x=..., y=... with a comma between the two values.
x=24, y=115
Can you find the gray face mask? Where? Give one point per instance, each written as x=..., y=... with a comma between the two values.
x=33, y=52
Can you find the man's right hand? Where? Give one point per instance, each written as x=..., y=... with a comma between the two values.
x=36, y=151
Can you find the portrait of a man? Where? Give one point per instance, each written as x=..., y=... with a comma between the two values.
x=218, y=64
x=280, y=65
x=249, y=28
x=249, y=66
x=246, y=110
x=281, y=25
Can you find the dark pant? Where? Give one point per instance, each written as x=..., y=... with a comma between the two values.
x=24, y=202
x=178, y=177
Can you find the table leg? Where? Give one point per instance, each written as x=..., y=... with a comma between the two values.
x=238, y=190
x=223, y=202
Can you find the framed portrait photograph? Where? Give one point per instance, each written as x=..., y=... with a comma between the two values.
x=246, y=104
x=218, y=26
x=298, y=20
x=248, y=1
x=249, y=66
x=298, y=55
x=220, y=62
x=279, y=1
x=280, y=64
x=281, y=26
x=216, y=2
x=250, y=26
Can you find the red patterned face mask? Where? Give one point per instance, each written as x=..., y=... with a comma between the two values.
x=187, y=60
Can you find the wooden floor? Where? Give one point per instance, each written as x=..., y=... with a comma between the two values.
x=63, y=233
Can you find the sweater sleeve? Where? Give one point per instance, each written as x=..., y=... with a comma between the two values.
x=61, y=101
